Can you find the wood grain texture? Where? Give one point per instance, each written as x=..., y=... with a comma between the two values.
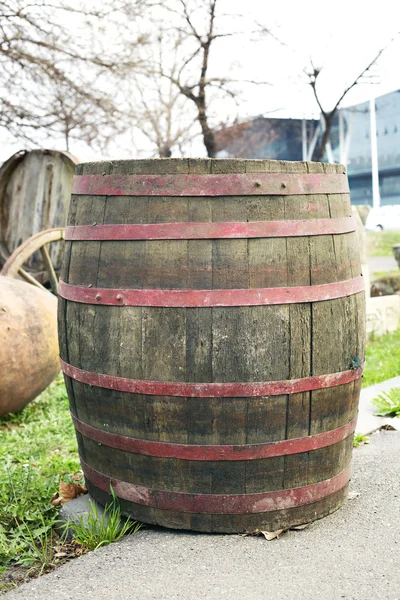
x=270, y=521
x=232, y=344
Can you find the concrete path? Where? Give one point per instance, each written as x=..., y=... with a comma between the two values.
x=381, y=263
x=352, y=554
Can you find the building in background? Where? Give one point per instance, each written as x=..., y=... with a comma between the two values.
x=263, y=137
x=350, y=143
x=359, y=165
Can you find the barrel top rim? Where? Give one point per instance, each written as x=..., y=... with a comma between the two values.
x=171, y=166
x=11, y=163
x=7, y=170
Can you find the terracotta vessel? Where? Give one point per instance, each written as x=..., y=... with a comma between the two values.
x=28, y=343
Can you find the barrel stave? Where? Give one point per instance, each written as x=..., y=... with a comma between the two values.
x=167, y=418
x=271, y=521
x=150, y=336
x=217, y=477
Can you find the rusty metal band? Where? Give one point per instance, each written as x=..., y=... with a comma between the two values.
x=218, y=503
x=211, y=390
x=200, y=231
x=233, y=184
x=183, y=298
x=226, y=452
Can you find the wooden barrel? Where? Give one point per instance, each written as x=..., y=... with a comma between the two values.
x=35, y=190
x=211, y=323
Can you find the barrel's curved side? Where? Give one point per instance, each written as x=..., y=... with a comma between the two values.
x=214, y=344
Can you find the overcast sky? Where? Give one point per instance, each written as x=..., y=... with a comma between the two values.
x=340, y=36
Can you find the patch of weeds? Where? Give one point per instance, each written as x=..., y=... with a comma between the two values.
x=388, y=403
x=360, y=440
x=36, y=446
x=38, y=462
x=380, y=242
x=378, y=274
x=94, y=530
x=38, y=548
x=382, y=357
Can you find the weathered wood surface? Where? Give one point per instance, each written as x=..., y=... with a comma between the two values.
x=35, y=190
x=13, y=267
x=28, y=343
x=233, y=344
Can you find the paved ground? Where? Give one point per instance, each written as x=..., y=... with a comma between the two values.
x=352, y=554
x=381, y=263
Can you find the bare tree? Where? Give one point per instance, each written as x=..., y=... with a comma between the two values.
x=328, y=116
x=247, y=138
x=58, y=59
x=193, y=22
x=82, y=117
x=159, y=110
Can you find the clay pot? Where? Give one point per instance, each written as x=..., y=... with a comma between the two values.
x=28, y=343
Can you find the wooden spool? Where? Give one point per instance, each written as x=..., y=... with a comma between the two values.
x=35, y=190
x=211, y=324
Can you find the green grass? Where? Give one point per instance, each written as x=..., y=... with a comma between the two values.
x=360, y=440
x=378, y=274
x=37, y=449
x=380, y=242
x=382, y=358
x=387, y=403
x=95, y=530
x=37, y=446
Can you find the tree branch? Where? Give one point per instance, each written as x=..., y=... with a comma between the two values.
x=357, y=79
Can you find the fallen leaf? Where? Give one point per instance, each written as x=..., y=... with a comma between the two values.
x=352, y=495
x=67, y=492
x=271, y=535
x=69, y=549
x=254, y=533
x=56, y=499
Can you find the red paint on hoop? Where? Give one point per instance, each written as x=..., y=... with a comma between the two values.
x=206, y=298
x=226, y=452
x=195, y=231
x=211, y=390
x=218, y=503
x=233, y=184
